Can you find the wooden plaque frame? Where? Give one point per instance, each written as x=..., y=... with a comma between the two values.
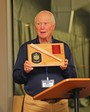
x=46, y=54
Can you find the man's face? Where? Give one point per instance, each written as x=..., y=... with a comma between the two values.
x=44, y=25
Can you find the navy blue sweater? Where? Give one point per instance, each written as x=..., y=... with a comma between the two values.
x=32, y=80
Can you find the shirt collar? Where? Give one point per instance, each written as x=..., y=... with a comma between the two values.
x=37, y=40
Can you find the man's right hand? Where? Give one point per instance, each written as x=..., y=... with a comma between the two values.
x=27, y=66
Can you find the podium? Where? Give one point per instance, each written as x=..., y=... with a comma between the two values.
x=71, y=88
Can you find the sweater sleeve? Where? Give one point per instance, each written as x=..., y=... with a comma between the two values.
x=19, y=75
x=70, y=72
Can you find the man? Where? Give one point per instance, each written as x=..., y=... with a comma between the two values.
x=33, y=78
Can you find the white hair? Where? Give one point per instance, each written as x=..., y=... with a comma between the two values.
x=45, y=11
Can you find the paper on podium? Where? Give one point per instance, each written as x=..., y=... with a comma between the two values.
x=46, y=54
x=64, y=89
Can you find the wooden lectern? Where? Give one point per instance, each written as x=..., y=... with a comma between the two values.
x=69, y=88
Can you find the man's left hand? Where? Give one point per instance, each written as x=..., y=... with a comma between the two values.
x=64, y=66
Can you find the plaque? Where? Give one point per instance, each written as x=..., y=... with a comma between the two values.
x=46, y=54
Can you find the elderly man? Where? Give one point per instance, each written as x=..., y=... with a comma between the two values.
x=33, y=77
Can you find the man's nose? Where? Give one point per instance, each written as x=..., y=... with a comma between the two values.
x=42, y=26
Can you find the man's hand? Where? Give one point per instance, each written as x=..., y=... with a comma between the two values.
x=63, y=67
x=27, y=66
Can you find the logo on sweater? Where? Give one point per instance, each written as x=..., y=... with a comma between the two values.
x=36, y=57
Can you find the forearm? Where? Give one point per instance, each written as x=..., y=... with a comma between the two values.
x=19, y=76
x=70, y=72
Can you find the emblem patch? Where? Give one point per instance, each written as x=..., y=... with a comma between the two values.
x=36, y=57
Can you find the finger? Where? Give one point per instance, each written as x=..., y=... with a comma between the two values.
x=27, y=66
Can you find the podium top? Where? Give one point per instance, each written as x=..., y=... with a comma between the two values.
x=64, y=89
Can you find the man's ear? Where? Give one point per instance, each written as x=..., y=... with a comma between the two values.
x=54, y=26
